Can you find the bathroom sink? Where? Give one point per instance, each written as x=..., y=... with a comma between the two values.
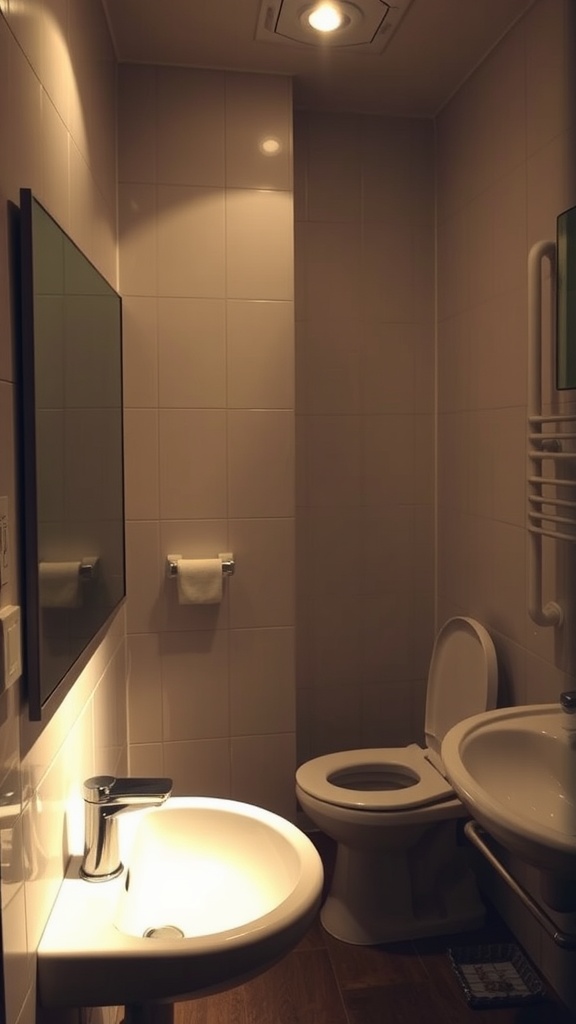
x=213, y=892
x=515, y=771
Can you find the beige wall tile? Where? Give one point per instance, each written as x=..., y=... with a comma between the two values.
x=453, y=343
x=551, y=164
x=260, y=354
x=334, y=461
x=258, y=132
x=195, y=690
x=25, y=151
x=195, y=99
x=334, y=719
x=144, y=689
x=55, y=167
x=54, y=59
x=137, y=227
x=192, y=463
x=334, y=168
x=18, y=961
x=259, y=252
x=199, y=767
x=331, y=630
x=261, y=681
x=330, y=279
x=262, y=772
x=263, y=592
x=260, y=463
x=191, y=241
x=397, y=367
x=144, y=573
x=140, y=351
x=548, y=61
x=141, y=463
x=191, y=353
x=330, y=366
x=496, y=352
x=147, y=759
x=137, y=112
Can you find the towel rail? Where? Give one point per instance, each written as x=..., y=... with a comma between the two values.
x=549, y=517
x=550, y=443
x=554, y=535
x=538, y=499
x=546, y=480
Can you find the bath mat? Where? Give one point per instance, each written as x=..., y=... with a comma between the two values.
x=495, y=975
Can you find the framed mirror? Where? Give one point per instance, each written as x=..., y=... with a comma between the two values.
x=566, y=300
x=72, y=487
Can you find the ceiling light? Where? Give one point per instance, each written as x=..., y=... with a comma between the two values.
x=326, y=17
x=362, y=25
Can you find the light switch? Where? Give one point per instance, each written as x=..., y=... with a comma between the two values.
x=11, y=644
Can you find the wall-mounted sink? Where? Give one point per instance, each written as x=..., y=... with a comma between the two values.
x=515, y=771
x=214, y=891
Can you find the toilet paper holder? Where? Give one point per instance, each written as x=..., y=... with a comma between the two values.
x=87, y=567
x=228, y=565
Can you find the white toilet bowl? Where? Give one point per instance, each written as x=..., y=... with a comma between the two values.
x=400, y=872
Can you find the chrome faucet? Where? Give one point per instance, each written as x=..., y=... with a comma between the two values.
x=105, y=797
x=568, y=705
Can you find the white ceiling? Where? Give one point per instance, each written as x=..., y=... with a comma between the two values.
x=435, y=47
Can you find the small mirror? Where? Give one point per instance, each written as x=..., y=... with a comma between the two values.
x=71, y=433
x=566, y=300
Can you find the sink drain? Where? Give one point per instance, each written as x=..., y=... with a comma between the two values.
x=166, y=931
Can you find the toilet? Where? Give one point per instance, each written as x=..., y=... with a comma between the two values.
x=400, y=871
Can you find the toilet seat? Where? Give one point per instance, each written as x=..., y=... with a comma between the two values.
x=462, y=681
x=419, y=783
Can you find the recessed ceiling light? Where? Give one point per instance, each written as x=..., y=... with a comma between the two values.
x=330, y=19
x=364, y=25
x=326, y=17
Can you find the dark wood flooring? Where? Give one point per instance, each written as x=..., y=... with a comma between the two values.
x=325, y=981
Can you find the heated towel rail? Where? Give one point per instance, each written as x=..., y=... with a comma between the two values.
x=551, y=510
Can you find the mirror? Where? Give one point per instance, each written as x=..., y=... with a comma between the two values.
x=566, y=300
x=71, y=435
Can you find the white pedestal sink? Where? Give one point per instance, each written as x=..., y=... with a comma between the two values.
x=515, y=771
x=214, y=892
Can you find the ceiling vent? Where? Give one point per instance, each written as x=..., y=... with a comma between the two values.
x=366, y=26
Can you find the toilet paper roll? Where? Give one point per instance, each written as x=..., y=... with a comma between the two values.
x=199, y=580
x=60, y=584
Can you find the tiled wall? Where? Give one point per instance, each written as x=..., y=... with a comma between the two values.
x=206, y=269
x=501, y=183
x=365, y=439
x=57, y=136
x=502, y=180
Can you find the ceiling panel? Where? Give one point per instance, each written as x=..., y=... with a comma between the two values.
x=436, y=45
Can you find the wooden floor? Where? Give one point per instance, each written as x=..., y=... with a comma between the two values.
x=324, y=981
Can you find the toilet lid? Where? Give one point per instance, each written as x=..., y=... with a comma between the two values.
x=331, y=778
x=462, y=680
